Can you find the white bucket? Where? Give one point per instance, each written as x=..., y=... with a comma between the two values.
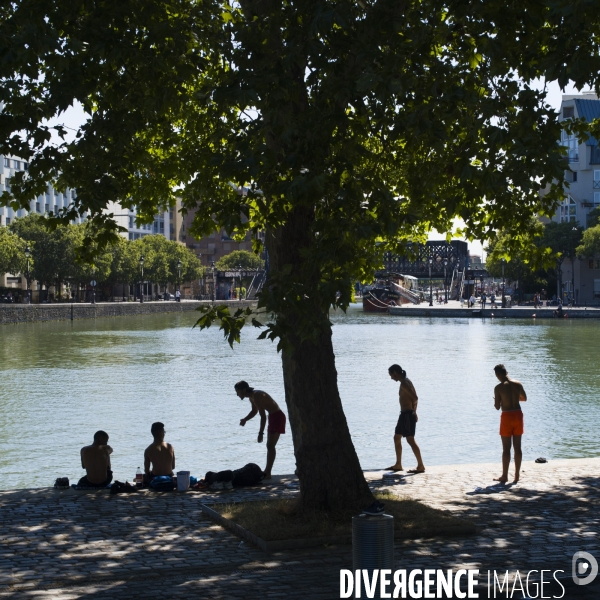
x=183, y=481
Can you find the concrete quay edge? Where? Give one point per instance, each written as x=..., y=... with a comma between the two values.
x=493, y=313
x=36, y=313
x=372, y=474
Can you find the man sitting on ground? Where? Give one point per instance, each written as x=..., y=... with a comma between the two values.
x=159, y=456
x=95, y=459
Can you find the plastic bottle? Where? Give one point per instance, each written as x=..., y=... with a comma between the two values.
x=139, y=477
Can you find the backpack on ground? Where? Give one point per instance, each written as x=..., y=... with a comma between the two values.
x=162, y=483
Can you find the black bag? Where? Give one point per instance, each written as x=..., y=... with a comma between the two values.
x=220, y=477
x=251, y=474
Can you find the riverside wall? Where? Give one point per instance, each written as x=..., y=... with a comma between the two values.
x=33, y=313
x=493, y=313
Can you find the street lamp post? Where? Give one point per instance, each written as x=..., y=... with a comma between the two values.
x=430, y=283
x=445, y=281
x=141, y=279
x=93, y=282
x=503, y=296
x=240, y=294
x=27, y=255
x=572, y=251
x=214, y=290
x=178, y=279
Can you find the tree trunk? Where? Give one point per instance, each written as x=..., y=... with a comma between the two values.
x=330, y=474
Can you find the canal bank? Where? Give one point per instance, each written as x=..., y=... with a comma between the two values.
x=35, y=313
x=522, y=312
x=68, y=545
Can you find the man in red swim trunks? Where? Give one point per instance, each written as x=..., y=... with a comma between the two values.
x=261, y=403
x=507, y=395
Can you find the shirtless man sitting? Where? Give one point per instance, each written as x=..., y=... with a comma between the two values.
x=507, y=395
x=261, y=402
x=159, y=456
x=95, y=459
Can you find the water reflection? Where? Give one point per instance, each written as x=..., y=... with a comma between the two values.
x=62, y=381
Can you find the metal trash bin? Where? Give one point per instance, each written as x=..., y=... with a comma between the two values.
x=372, y=546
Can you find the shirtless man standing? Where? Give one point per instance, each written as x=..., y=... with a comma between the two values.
x=95, y=459
x=507, y=395
x=407, y=422
x=261, y=402
x=159, y=456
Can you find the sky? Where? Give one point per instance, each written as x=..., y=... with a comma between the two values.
x=74, y=117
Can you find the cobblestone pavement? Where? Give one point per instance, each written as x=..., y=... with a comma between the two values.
x=71, y=545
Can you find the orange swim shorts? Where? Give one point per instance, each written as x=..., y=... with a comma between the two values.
x=511, y=423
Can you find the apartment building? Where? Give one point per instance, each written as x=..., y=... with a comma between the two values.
x=168, y=223
x=581, y=277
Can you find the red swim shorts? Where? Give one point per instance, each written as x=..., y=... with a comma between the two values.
x=511, y=423
x=276, y=422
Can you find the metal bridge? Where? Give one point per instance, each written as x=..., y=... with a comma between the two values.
x=416, y=260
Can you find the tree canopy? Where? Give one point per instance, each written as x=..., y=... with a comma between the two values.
x=524, y=264
x=354, y=126
x=59, y=255
x=239, y=258
x=590, y=243
x=12, y=252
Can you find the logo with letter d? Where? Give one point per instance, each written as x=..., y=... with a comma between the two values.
x=582, y=573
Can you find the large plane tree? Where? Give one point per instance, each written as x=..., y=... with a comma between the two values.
x=353, y=126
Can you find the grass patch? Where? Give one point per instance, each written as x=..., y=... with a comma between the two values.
x=282, y=520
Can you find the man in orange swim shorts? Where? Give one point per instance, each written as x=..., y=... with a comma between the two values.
x=507, y=395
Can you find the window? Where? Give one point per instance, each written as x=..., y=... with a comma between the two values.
x=25, y=166
x=37, y=207
x=7, y=162
x=47, y=208
x=568, y=112
x=17, y=165
x=594, y=155
x=571, y=143
x=8, y=220
x=574, y=176
x=593, y=264
x=596, y=179
x=7, y=184
x=568, y=210
x=130, y=222
x=131, y=236
x=596, y=288
x=596, y=198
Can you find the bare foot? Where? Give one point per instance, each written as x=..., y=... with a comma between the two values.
x=394, y=468
x=501, y=479
x=516, y=479
x=267, y=476
x=415, y=471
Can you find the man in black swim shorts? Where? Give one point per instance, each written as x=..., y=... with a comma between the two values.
x=407, y=422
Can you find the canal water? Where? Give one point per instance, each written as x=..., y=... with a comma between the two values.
x=61, y=381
